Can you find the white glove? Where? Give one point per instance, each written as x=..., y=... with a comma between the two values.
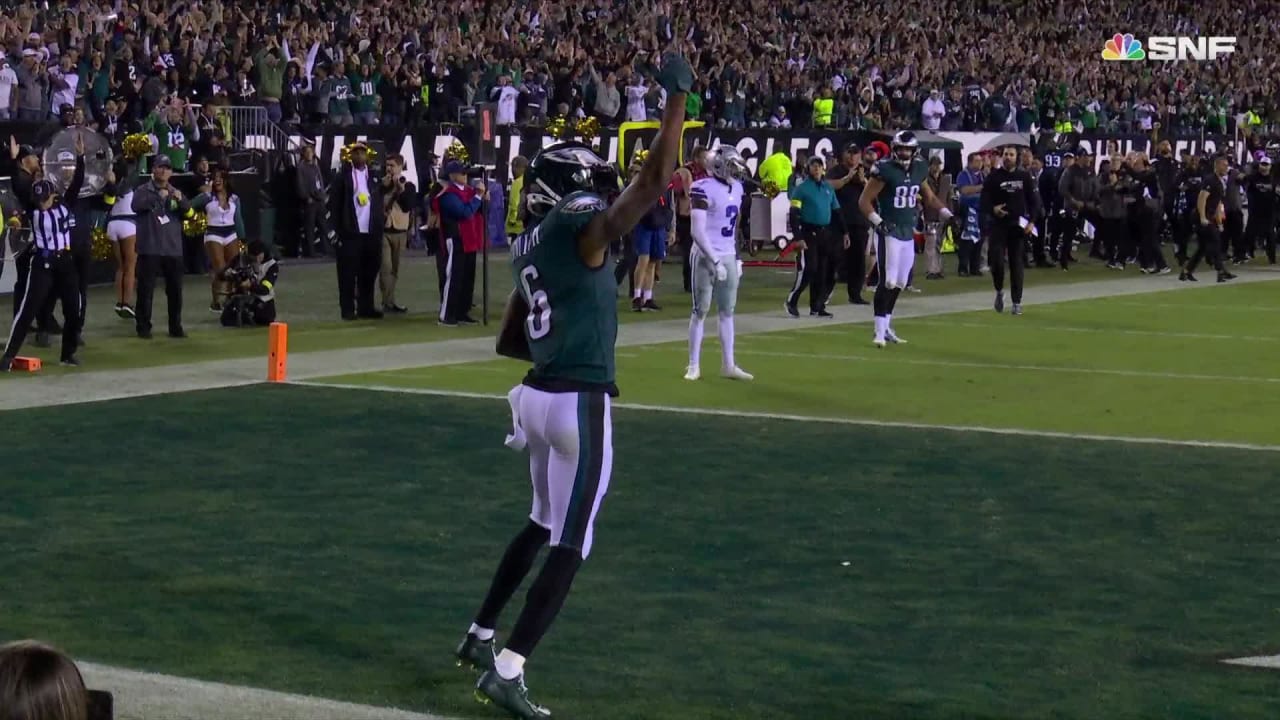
x=722, y=272
x=739, y=269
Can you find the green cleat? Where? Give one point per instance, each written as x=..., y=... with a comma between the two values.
x=475, y=653
x=510, y=695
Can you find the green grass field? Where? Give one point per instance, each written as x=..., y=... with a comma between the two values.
x=778, y=549
x=308, y=302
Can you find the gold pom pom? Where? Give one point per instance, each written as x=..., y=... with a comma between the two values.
x=101, y=245
x=457, y=151
x=770, y=189
x=558, y=128
x=195, y=225
x=14, y=221
x=136, y=145
x=588, y=128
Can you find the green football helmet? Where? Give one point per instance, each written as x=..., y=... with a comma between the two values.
x=565, y=168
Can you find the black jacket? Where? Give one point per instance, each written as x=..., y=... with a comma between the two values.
x=1015, y=190
x=342, y=203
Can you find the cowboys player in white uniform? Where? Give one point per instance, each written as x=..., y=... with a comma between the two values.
x=715, y=202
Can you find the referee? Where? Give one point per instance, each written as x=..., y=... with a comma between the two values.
x=53, y=269
x=1009, y=200
x=818, y=249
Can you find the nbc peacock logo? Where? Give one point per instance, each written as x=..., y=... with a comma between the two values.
x=1123, y=47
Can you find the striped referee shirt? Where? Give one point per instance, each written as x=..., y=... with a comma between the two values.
x=51, y=229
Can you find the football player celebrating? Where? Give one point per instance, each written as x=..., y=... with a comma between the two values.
x=894, y=189
x=563, y=317
x=713, y=217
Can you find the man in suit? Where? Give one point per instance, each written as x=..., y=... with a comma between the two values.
x=356, y=205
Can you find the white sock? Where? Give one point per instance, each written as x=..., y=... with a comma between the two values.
x=726, y=342
x=882, y=324
x=648, y=294
x=888, y=323
x=638, y=293
x=510, y=665
x=695, y=340
x=481, y=632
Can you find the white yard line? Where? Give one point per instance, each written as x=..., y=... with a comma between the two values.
x=148, y=696
x=820, y=419
x=888, y=356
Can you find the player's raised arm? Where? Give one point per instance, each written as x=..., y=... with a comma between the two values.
x=635, y=201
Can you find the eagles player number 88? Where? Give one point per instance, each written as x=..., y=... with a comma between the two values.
x=905, y=196
x=538, y=323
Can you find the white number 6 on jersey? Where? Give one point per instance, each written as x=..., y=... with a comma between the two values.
x=538, y=323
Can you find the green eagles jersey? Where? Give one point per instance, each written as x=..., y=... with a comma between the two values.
x=173, y=140
x=573, y=310
x=899, y=200
x=366, y=91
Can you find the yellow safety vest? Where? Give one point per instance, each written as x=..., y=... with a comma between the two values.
x=823, y=109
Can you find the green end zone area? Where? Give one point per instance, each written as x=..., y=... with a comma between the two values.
x=335, y=541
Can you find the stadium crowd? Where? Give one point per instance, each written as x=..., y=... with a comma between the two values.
x=954, y=64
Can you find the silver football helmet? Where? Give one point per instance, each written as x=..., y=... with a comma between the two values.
x=726, y=163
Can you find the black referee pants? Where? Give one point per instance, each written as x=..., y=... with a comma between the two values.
x=22, y=267
x=48, y=275
x=82, y=254
x=148, y=267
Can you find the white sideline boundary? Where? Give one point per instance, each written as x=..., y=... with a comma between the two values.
x=1018, y=432
x=149, y=696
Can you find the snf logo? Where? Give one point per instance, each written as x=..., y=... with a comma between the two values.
x=1125, y=47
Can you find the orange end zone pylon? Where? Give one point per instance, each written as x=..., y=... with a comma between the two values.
x=277, y=352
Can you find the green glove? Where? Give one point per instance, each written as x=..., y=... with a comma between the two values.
x=676, y=76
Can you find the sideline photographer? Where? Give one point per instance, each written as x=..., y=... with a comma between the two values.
x=252, y=278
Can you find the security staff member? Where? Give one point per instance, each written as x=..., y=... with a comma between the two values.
x=52, y=267
x=816, y=243
x=1008, y=199
x=848, y=179
x=1076, y=192
x=1210, y=212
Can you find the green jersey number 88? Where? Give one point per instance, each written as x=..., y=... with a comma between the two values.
x=905, y=196
x=538, y=323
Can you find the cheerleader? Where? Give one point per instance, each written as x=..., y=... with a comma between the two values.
x=223, y=233
x=122, y=231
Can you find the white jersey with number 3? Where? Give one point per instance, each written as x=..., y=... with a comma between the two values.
x=724, y=202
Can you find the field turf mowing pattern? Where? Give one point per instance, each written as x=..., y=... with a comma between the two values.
x=335, y=541
x=1194, y=365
